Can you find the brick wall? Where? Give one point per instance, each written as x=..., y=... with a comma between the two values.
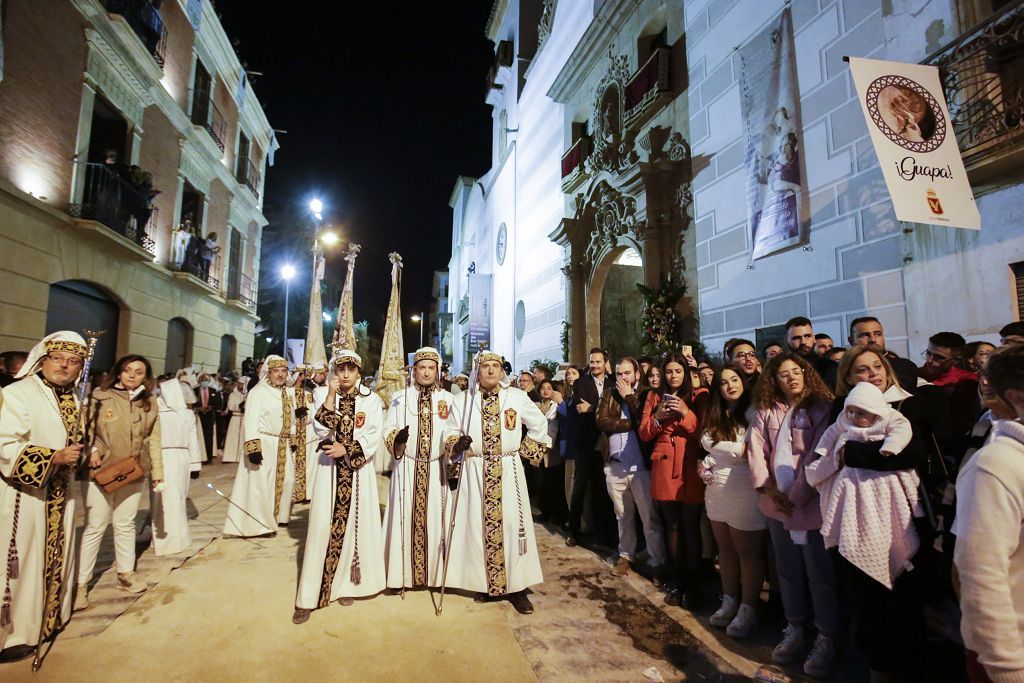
x=160, y=154
x=853, y=265
x=40, y=96
x=178, y=55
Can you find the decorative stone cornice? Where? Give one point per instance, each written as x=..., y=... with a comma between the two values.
x=547, y=21
x=107, y=71
x=592, y=47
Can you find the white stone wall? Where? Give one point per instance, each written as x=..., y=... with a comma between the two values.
x=853, y=264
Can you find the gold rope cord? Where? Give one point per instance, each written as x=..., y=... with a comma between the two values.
x=299, y=492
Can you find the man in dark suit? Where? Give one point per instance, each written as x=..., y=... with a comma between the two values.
x=867, y=331
x=589, y=472
x=209, y=402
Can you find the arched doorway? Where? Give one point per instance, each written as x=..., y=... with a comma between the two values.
x=178, y=354
x=78, y=306
x=622, y=305
x=228, y=347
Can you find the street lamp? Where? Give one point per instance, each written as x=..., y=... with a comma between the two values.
x=329, y=238
x=317, y=207
x=287, y=273
x=418, y=318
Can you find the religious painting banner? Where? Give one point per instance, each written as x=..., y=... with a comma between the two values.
x=915, y=142
x=777, y=203
x=479, y=312
x=294, y=352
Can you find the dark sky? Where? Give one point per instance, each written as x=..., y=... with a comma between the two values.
x=383, y=104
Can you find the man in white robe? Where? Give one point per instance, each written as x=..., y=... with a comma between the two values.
x=233, y=446
x=493, y=549
x=40, y=445
x=419, y=504
x=262, y=496
x=344, y=554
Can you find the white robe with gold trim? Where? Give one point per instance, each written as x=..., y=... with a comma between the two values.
x=340, y=511
x=418, y=485
x=265, y=488
x=31, y=429
x=493, y=494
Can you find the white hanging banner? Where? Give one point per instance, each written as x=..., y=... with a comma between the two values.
x=915, y=142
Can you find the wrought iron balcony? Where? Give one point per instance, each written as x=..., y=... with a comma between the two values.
x=249, y=176
x=243, y=290
x=572, y=164
x=196, y=264
x=982, y=73
x=109, y=198
x=647, y=83
x=145, y=20
x=206, y=114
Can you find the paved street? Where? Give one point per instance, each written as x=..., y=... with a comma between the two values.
x=222, y=611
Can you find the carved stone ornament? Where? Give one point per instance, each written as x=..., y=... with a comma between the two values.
x=612, y=146
x=547, y=20
x=678, y=148
x=614, y=217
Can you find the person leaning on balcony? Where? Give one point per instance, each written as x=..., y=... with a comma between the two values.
x=208, y=251
x=125, y=423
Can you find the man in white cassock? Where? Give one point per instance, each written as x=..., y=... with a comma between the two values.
x=40, y=445
x=180, y=444
x=262, y=497
x=344, y=555
x=419, y=503
x=493, y=549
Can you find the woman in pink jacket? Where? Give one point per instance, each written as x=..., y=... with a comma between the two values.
x=792, y=411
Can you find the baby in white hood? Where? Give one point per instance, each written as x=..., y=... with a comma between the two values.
x=867, y=514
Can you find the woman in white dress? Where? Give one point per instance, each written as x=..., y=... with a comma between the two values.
x=180, y=445
x=731, y=503
x=233, y=440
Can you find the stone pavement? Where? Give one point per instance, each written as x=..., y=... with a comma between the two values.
x=222, y=611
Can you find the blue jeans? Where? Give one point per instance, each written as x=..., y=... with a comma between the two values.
x=803, y=567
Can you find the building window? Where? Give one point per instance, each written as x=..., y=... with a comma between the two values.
x=202, y=89
x=178, y=352
x=242, y=159
x=1018, y=284
x=228, y=347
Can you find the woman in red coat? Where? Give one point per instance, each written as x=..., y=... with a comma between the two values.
x=671, y=419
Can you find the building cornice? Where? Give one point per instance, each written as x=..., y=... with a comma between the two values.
x=593, y=46
x=498, y=10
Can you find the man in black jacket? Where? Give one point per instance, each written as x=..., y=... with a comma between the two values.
x=800, y=339
x=209, y=402
x=589, y=472
x=867, y=331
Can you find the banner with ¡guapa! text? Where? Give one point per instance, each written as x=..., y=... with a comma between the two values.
x=915, y=142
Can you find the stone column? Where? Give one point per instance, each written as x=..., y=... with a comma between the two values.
x=577, y=296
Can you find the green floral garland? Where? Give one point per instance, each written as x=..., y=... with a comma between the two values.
x=659, y=322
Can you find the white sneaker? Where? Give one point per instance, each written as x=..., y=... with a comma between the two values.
x=744, y=623
x=724, y=614
x=823, y=656
x=792, y=642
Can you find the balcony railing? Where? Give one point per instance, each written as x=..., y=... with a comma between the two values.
x=206, y=114
x=110, y=199
x=243, y=290
x=145, y=20
x=249, y=176
x=204, y=270
x=572, y=160
x=982, y=73
x=647, y=83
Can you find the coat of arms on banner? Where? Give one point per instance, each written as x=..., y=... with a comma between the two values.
x=360, y=420
x=510, y=418
x=442, y=410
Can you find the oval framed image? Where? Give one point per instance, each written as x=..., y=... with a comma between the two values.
x=906, y=113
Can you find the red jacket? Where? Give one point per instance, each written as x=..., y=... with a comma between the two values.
x=676, y=451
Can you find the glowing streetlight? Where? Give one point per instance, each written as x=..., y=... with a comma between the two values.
x=316, y=206
x=329, y=238
x=418, y=318
x=327, y=317
x=287, y=273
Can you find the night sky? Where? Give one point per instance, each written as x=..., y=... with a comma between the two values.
x=383, y=104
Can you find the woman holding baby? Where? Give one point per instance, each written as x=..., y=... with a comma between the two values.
x=865, y=469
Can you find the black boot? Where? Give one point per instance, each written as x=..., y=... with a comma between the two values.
x=521, y=602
